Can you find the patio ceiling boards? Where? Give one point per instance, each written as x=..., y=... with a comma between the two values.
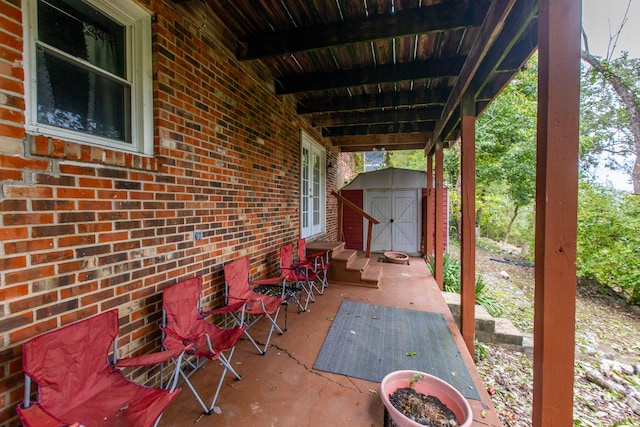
x=387, y=73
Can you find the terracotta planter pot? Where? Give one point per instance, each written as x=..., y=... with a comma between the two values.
x=396, y=257
x=427, y=385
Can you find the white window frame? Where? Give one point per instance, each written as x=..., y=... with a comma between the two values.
x=137, y=21
x=308, y=143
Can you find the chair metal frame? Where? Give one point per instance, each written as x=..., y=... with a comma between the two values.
x=318, y=263
x=205, y=345
x=249, y=306
x=35, y=354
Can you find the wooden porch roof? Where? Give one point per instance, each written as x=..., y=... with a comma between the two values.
x=385, y=73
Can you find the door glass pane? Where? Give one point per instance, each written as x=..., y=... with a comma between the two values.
x=305, y=187
x=316, y=190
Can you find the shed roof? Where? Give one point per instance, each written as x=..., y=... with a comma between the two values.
x=390, y=178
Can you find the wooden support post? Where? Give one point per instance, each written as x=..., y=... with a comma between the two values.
x=439, y=223
x=369, y=232
x=556, y=211
x=468, y=234
x=429, y=234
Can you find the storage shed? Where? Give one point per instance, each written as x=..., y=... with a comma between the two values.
x=398, y=199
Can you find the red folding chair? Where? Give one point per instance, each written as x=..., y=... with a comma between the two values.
x=318, y=263
x=301, y=276
x=184, y=324
x=78, y=385
x=255, y=305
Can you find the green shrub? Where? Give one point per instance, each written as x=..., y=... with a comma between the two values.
x=451, y=279
x=609, y=240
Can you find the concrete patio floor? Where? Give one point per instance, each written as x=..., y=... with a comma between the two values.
x=281, y=388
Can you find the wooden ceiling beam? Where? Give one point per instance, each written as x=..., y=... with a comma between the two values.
x=363, y=148
x=423, y=20
x=404, y=115
x=417, y=98
x=384, y=140
x=516, y=41
x=489, y=32
x=389, y=73
x=378, y=129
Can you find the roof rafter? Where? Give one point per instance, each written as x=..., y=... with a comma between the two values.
x=417, y=98
x=428, y=69
x=413, y=115
x=424, y=20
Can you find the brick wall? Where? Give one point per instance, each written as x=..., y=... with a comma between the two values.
x=85, y=229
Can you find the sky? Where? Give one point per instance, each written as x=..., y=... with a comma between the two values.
x=600, y=19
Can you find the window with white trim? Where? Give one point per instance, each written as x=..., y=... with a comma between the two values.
x=312, y=187
x=88, y=72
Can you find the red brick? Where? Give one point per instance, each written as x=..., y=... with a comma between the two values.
x=97, y=297
x=76, y=193
x=22, y=192
x=12, y=263
x=64, y=242
x=53, y=205
x=78, y=315
x=40, y=146
x=22, y=163
x=10, y=205
x=10, y=19
x=49, y=257
x=27, y=246
x=10, y=175
x=27, y=219
x=67, y=267
x=94, y=227
x=112, y=303
x=8, y=115
x=14, y=233
x=33, y=302
x=113, y=237
x=29, y=274
x=56, y=309
x=69, y=217
x=77, y=170
x=11, y=292
x=32, y=330
x=81, y=289
x=14, y=322
x=98, y=205
x=53, y=230
x=95, y=182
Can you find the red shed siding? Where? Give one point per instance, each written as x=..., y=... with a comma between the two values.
x=86, y=229
x=352, y=226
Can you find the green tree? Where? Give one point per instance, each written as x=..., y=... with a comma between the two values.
x=506, y=146
x=408, y=159
x=609, y=239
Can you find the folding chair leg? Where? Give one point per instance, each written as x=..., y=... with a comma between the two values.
x=227, y=367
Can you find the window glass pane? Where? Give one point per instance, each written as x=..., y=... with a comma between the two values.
x=72, y=97
x=83, y=32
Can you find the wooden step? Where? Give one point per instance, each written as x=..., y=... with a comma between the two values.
x=347, y=266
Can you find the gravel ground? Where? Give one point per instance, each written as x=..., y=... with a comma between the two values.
x=606, y=330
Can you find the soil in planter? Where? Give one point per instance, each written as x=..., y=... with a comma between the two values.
x=425, y=410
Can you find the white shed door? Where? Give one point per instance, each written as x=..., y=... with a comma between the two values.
x=398, y=213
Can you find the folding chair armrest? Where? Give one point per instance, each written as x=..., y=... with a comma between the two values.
x=269, y=281
x=173, y=334
x=316, y=255
x=226, y=309
x=34, y=415
x=153, y=358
